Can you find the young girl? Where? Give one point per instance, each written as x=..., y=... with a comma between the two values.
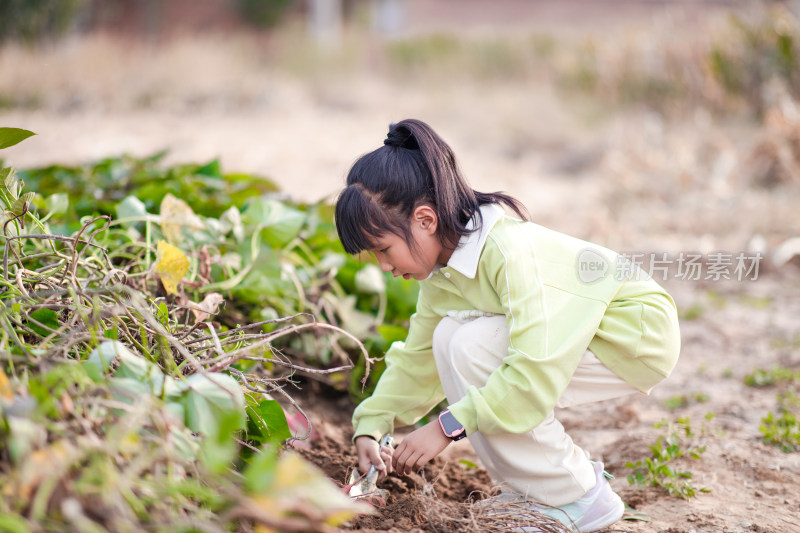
x=513, y=320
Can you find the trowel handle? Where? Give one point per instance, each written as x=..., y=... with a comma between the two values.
x=387, y=440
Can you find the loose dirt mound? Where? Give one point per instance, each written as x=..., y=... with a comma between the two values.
x=445, y=480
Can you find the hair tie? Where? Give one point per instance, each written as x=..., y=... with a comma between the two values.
x=401, y=138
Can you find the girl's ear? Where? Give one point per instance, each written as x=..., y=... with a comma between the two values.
x=425, y=217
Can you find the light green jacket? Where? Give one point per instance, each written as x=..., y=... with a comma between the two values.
x=559, y=295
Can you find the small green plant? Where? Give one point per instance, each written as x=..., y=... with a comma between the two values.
x=717, y=300
x=782, y=431
x=764, y=377
x=693, y=312
x=789, y=401
x=659, y=470
x=684, y=400
x=756, y=302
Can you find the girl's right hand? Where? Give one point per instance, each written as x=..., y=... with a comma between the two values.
x=370, y=453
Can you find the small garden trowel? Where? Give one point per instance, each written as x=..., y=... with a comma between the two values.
x=367, y=484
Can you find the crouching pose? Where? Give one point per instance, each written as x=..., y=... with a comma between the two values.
x=513, y=320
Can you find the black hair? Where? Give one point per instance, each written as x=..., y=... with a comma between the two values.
x=414, y=167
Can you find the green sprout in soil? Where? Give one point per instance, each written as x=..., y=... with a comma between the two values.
x=778, y=374
x=783, y=430
x=661, y=468
x=684, y=400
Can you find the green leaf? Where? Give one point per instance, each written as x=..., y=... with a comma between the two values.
x=48, y=318
x=211, y=398
x=18, y=207
x=210, y=170
x=392, y=333
x=231, y=221
x=218, y=446
x=12, y=523
x=261, y=471
x=104, y=356
x=11, y=136
x=11, y=183
x=127, y=389
x=469, y=465
x=266, y=422
x=280, y=222
x=131, y=207
x=162, y=314
x=56, y=204
x=136, y=368
x=95, y=374
x=370, y=280
x=351, y=319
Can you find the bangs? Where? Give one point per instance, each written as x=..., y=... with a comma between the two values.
x=361, y=221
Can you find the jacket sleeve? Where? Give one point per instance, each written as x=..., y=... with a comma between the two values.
x=548, y=334
x=409, y=387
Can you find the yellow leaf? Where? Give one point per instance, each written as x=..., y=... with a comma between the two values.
x=51, y=461
x=177, y=216
x=300, y=488
x=171, y=265
x=6, y=392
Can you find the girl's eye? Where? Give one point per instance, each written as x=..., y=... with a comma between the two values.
x=383, y=251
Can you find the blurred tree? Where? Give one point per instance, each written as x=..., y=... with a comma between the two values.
x=263, y=13
x=34, y=20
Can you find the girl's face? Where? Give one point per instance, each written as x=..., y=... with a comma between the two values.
x=395, y=256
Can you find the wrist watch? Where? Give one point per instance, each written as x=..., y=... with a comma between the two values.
x=451, y=427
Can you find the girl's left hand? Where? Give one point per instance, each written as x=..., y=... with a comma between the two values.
x=419, y=447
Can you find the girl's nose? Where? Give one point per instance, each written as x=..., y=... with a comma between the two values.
x=386, y=267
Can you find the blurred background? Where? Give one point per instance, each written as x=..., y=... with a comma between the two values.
x=643, y=125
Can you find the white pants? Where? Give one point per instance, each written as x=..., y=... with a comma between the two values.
x=543, y=464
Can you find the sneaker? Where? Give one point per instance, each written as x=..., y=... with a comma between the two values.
x=596, y=510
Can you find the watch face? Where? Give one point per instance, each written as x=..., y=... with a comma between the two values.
x=450, y=425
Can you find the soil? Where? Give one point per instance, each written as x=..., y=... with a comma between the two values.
x=630, y=179
x=752, y=486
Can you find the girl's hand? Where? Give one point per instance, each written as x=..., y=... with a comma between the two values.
x=370, y=453
x=419, y=447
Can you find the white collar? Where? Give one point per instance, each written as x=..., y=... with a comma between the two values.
x=468, y=252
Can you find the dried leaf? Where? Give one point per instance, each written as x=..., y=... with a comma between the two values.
x=171, y=265
x=177, y=216
x=207, y=307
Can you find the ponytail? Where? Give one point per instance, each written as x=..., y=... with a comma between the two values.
x=414, y=167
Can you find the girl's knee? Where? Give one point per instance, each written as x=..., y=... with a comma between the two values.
x=442, y=338
x=472, y=349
